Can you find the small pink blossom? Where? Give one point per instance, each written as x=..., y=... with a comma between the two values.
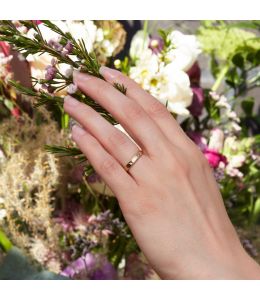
x=214, y=157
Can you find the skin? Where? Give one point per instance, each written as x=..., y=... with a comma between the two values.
x=169, y=197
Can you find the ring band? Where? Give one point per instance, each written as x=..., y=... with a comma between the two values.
x=133, y=160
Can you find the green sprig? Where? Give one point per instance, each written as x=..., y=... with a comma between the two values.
x=85, y=62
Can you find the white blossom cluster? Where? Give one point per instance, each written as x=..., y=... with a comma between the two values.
x=95, y=38
x=164, y=74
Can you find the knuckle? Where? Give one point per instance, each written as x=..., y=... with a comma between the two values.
x=100, y=88
x=181, y=168
x=108, y=165
x=117, y=138
x=156, y=109
x=134, y=111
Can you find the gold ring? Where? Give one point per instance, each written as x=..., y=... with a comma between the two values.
x=133, y=160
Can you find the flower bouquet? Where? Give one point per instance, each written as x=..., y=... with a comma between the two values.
x=54, y=206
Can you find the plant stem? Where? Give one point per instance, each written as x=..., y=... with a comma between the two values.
x=220, y=77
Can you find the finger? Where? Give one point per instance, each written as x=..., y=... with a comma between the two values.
x=127, y=112
x=117, y=143
x=156, y=110
x=105, y=165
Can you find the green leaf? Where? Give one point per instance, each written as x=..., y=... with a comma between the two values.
x=255, y=215
x=247, y=105
x=238, y=60
x=257, y=58
x=4, y=242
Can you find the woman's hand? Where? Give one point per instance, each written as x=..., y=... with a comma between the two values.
x=169, y=197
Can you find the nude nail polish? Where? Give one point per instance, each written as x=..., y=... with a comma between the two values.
x=77, y=131
x=70, y=101
x=107, y=73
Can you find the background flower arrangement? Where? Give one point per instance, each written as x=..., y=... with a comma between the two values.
x=58, y=210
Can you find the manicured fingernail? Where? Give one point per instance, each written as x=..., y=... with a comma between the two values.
x=77, y=131
x=78, y=76
x=108, y=73
x=71, y=101
x=72, y=123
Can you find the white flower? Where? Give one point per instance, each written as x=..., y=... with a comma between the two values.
x=214, y=95
x=72, y=88
x=233, y=172
x=166, y=83
x=47, y=33
x=79, y=30
x=139, y=44
x=216, y=140
x=223, y=102
x=237, y=161
x=99, y=35
x=106, y=48
x=234, y=163
x=145, y=69
x=186, y=49
x=86, y=31
x=235, y=126
x=231, y=143
x=173, y=89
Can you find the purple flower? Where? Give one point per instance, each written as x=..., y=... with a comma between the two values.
x=69, y=47
x=194, y=73
x=51, y=72
x=156, y=44
x=105, y=273
x=198, y=139
x=90, y=266
x=197, y=104
x=93, y=178
x=55, y=44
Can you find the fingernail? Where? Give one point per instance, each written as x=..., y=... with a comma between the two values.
x=72, y=123
x=107, y=73
x=70, y=101
x=78, y=76
x=77, y=131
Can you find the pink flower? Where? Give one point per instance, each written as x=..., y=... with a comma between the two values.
x=37, y=22
x=214, y=157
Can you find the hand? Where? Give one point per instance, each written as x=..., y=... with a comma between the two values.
x=169, y=197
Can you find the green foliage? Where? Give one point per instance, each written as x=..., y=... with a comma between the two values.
x=85, y=62
x=224, y=40
x=5, y=244
x=233, y=51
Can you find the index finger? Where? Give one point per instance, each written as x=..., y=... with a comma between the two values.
x=126, y=111
x=156, y=110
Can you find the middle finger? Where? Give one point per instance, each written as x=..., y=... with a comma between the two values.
x=127, y=112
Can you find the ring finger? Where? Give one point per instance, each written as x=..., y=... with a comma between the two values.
x=117, y=143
